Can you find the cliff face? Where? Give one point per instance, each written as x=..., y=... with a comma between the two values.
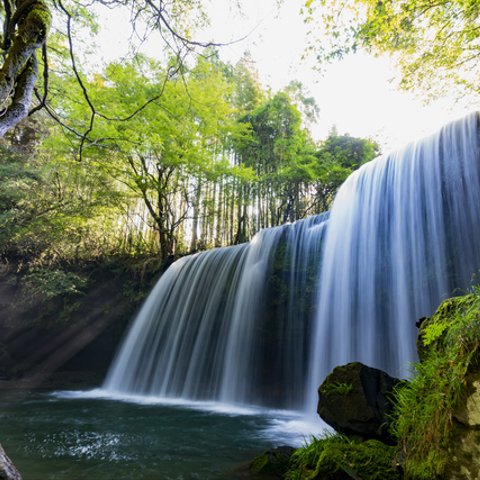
x=68, y=336
x=464, y=446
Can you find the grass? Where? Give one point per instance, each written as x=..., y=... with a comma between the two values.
x=425, y=407
x=336, y=457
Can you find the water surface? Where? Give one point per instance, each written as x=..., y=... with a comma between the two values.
x=75, y=436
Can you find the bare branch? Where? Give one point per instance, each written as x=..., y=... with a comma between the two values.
x=79, y=79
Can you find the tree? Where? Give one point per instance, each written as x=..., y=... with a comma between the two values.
x=306, y=105
x=337, y=158
x=249, y=94
x=279, y=150
x=54, y=210
x=435, y=43
x=172, y=156
x=26, y=26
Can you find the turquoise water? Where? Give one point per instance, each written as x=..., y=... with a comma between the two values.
x=70, y=436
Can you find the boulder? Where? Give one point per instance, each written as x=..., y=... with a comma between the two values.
x=271, y=464
x=463, y=454
x=356, y=400
x=7, y=468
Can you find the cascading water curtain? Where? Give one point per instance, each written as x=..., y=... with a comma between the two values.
x=403, y=235
x=258, y=324
x=231, y=324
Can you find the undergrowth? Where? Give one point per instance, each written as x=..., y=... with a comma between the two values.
x=336, y=457
x=425, y=406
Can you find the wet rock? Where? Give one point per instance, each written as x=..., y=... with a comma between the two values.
x=271, y=464
x=464, y=442
x=463, y=454
x=468, y=411
x=7, y=468
x=356, y=400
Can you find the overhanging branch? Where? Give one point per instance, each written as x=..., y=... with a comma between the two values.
x=25, y=31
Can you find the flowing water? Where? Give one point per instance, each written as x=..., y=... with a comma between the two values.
x=216, y=323
x=402, y=236
x=263, y=323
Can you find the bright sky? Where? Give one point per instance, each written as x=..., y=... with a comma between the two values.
x=355, y=94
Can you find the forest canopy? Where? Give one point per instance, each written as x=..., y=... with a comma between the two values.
x=145, y=156
x=41, y=35
x=435, y=44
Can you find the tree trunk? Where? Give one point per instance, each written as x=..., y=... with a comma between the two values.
x=25, y=31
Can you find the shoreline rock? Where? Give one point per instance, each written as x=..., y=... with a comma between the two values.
x=356, y=400
x=8, y=471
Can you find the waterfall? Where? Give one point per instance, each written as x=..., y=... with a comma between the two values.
x=263, y=323
x=214, y=325
x=403, y=235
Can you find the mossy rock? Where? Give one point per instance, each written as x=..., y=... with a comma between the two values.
x=355, y=400
x=437, y=414
x=338, y=458
x=272, y=463
x=433, y=331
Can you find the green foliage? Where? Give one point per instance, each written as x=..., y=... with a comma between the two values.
x=275, y=145
x=54, y=210
x=171, y=148
x=426, y=405
x=436, y=44
x=17, y=182
x=434, y=331
x=47, y=284
x=348, y=152
x=336, y=457
x=337, y=157
x=178, y=158
x=249, y=93
x=210, y=145
x=337, y=388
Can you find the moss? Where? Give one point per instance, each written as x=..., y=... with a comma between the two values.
x=428, y=410
x=272, y=463
x=337, y=388
x=433, y=329
x=425, y=407
x=260, y=463
x=337, y=457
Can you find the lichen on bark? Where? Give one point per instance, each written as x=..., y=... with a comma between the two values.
x=26, y=26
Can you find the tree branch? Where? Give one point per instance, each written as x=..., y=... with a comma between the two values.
x=25, y=30
x=20, y=103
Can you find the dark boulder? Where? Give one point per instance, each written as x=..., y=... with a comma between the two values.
x=356, y=401
x=7, y=468
x=271, y=464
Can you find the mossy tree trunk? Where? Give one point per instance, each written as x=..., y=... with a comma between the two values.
x=25, y=29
